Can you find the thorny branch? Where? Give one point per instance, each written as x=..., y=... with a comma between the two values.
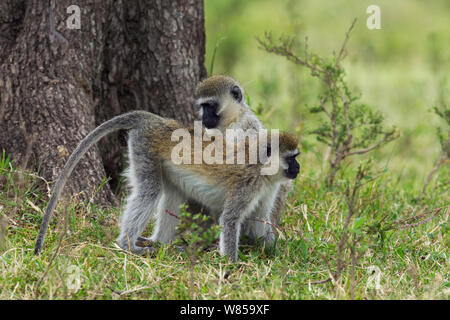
x=344, y=44
x=346, y=121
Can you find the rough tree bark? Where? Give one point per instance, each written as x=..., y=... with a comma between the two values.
x=153, y=63
x=127, y=55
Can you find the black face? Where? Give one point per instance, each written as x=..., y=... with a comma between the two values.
x=210, y=117
x=294, y=168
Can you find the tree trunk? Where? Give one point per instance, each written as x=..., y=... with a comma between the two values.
x=127, y=55
x=11, y=18
x=154, y=63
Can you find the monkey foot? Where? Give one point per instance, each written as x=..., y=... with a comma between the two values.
x=144, y=242
x=144, y=251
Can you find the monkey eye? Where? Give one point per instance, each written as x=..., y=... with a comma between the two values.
x=236, y=93
x=210, y=105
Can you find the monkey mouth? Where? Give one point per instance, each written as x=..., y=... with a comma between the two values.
x=211, y=120
x=291, y=174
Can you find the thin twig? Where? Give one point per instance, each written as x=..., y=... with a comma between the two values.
x=386, y=137
x=420, y=222
x=323, y=101
x=285, y=50
x=344, y=44
x=171, y=214
x=436, y=167
x=321, y=281
x=404, y=224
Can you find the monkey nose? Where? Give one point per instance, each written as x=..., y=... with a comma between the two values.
x=293, y=172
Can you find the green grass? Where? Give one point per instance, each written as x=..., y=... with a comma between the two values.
x=413, y=261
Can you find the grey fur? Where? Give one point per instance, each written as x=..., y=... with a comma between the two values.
x=217, y=88
x=158, y=184
x=125, y=121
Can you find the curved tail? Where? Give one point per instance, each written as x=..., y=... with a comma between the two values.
x=126, y=121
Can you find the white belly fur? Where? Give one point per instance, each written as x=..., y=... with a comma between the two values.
x=191, y=184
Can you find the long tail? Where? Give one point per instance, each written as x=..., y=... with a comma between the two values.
x=123, y=122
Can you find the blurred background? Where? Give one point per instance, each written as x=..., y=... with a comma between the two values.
x=401, y=70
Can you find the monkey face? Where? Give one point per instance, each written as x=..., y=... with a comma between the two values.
x=293, y=168
x=210, y=118
x=219, y=101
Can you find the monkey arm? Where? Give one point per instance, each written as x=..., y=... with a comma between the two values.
x=236, y=209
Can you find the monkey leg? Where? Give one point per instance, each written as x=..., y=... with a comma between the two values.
x=229, y=237
x=144, y=178
x=138, y=210
x=231, y=219
x=257, y=226
x=166, y=222
x=193, y=207
x=280, y=203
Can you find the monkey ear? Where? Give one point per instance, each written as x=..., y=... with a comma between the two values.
x=236, y=93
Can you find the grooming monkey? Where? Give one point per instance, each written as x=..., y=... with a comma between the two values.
x=157, y=183
x=221, y=105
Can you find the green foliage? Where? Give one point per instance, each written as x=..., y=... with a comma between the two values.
x=396, y=69
x=213, y=58
x=349, y=128
x=402, y=239
x=444, y=159
x=195, y=232
x=444, y=138
x=406, y=241
x=354, y=236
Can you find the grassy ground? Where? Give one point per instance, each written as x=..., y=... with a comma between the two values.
x=401, y=70
x=396, y=264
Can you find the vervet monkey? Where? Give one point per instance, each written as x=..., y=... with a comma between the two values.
x=220, y=103
x=157, y=183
